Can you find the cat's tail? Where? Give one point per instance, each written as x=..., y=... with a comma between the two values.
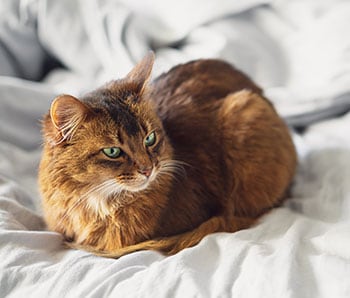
x=173, y=244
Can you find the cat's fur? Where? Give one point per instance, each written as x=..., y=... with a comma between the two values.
x=222, y=158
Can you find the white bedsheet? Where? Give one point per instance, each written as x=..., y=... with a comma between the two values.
x=298, y=51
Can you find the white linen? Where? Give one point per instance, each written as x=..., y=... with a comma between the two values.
x=297, y=50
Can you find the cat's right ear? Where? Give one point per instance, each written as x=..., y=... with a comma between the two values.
x=141, y=73
x=66, y=114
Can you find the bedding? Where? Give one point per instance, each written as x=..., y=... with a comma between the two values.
x=298, y=51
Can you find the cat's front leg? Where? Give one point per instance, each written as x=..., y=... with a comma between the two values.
x=173, y=244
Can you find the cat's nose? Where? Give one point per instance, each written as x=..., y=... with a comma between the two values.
x=146, y=171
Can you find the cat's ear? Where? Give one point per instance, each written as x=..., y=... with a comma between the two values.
x=141, y=73
x=66, y=114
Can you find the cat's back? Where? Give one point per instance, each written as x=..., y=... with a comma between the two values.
x=203, y=80
x=189, y=95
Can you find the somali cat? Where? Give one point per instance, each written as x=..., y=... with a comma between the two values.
x=136, y=165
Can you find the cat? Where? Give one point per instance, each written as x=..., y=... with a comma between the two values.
x=138, y=165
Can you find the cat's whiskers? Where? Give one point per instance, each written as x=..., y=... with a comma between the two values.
x=108, y=188
x=172, y=168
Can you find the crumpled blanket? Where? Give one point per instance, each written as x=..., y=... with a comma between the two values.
x=298, y=51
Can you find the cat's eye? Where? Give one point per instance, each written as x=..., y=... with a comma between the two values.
x=150, y=139
x=112, y=152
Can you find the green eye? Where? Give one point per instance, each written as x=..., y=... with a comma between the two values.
x=112, y=152
x=150, y=139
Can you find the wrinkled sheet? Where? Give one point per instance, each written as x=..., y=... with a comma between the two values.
x=297, y=50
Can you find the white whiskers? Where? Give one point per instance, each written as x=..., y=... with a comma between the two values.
x=173, y=168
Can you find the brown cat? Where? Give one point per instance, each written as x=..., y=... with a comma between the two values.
x=135, y=166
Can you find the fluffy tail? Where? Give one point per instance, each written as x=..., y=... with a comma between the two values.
x=173, y=244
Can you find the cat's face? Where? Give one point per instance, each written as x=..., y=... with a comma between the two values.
x=120, y=147
x=111, y=141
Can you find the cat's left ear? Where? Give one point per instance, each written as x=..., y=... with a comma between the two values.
x=141, y=73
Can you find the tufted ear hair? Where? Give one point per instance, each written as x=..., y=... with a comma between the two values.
x=66, y=113
x=141, y=73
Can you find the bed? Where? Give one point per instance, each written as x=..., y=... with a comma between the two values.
x=298, y=51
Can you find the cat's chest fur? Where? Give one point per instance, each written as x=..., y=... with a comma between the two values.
x=103, y=223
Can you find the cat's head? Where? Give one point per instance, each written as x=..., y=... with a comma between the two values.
x=111, y=140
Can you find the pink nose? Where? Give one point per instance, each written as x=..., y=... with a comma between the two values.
x=147, y=171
